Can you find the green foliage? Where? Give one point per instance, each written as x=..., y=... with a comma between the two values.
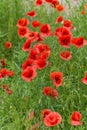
x=27, y=97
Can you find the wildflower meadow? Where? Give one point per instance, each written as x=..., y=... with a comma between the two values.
x=43, y=65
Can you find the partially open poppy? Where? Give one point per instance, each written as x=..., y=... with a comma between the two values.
x=76, y=118
x=78, y=42
x=45, y=30
x=38, y=2
x=60, y=7
x=26, y=46
x=57, y=78
x=31, y=13
x=65, y=55
x=59, y=19
x=35, y=23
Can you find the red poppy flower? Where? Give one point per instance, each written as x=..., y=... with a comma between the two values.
x=65, y=55
x=40, y=38
x=9, y=92
x=54, y=3
x=84, y=80
x=75, y=0
x=3, y=62
x=23, y=22
x=33, y=54
x=45, y=30
x=38, y=2
x=57, y=78
x=85, y=6
x=40, y=47
x=62, y=31
x=60, y=8
x=49, y=91
x=59, y=19
x=22, y=31
x=49, y=1
x=33, y=36
x=31, y=13
x=76, y=118
x=45, y=112
x=4, y=72
x=1, y=76
x=40, y=64
x=68, y=24
x=65, y=41
x=45, y=55
x=35, y=23
x=52, y=119
x=26, y=46
x=29, y=73
x=83, y=12
x=78, y=42
x=43, y=50
x=8, y=45
x=27, y=63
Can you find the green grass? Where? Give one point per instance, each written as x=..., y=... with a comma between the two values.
x=15, y=108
